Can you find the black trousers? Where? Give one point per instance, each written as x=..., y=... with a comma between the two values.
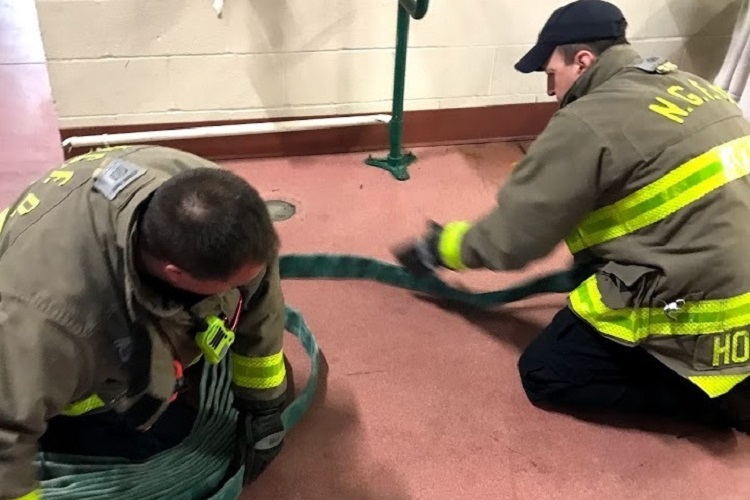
x=108, y=434
x=571, y=366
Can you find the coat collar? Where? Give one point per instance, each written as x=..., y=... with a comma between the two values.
x=607, y=65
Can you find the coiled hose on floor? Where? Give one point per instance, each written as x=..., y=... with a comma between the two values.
x=202, y=466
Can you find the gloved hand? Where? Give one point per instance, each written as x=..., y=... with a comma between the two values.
x=421, y=257
x=264, y=438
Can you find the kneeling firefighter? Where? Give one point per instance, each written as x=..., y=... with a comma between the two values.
x=644, y=173
x=119, y=270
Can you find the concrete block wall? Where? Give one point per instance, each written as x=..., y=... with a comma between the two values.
x=116, y=62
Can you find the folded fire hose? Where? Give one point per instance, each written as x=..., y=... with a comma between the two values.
x=203, y=465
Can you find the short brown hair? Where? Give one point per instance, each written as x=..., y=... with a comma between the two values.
x=210, y=222
x=597, y=47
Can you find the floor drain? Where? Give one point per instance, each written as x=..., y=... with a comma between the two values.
x=280, y=210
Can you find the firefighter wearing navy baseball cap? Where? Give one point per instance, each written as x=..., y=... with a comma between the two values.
x=580, y=22
x=643, y=174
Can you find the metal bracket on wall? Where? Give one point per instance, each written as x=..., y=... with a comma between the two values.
x=397, y=162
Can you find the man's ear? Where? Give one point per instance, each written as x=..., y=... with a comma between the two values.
x=584, y=60
x=174, y=273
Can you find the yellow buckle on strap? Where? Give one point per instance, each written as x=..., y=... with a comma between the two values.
x=83, y=406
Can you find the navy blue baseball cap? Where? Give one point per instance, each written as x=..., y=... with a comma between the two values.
x=577, y=22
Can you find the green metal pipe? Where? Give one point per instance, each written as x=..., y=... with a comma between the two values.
x=397, y=161
x=416, y=8
x=399, y=79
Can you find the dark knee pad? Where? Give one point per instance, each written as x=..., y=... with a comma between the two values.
x=535, y=376
x=560, y=361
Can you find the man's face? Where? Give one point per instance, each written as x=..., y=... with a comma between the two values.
x=561, y=76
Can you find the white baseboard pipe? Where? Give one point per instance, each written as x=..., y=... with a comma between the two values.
x=224, y=130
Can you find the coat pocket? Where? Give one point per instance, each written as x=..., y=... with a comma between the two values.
x=628, y=285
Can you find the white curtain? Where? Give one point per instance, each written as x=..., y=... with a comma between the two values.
x=734, y=75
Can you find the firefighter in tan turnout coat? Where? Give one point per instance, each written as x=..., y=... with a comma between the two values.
x=119, y=269
x=643, y=173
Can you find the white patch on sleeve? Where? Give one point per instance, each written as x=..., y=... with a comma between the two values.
x=118, y=175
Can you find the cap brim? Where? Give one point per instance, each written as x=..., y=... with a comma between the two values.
x=536, y=58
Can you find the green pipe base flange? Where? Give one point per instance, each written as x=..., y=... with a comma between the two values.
x=395, y=165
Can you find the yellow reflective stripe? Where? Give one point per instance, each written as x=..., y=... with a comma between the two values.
x=34, y=495
x=679, y=188
x=264, y=372
x=717, y=385
x=3, y=216
x=636, y=324
x=449, y=245
x=83, y=406
x=695, y=318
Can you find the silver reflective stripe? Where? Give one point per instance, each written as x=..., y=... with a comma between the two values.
x=270, y=441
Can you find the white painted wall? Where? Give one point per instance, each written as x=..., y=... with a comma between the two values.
x=151, y=61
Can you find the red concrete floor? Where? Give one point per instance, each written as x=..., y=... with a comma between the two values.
x=417, y=401
x=29, y=138
x=424, y=402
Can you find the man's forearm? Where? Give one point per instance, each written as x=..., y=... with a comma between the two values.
x=257, y=357
x=494, y=243
x=461, y=245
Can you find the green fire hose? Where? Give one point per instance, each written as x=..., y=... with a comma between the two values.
x=201, y=467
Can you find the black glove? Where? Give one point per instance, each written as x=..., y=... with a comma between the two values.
x=263, y=437
x=421, y=257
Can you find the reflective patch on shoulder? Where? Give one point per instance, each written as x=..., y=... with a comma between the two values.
x=650, y=64
x=656, y=64
x=116, y=176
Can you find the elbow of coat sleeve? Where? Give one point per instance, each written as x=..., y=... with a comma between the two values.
x=42, y=368
x=35, y=494
x=18, y=474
